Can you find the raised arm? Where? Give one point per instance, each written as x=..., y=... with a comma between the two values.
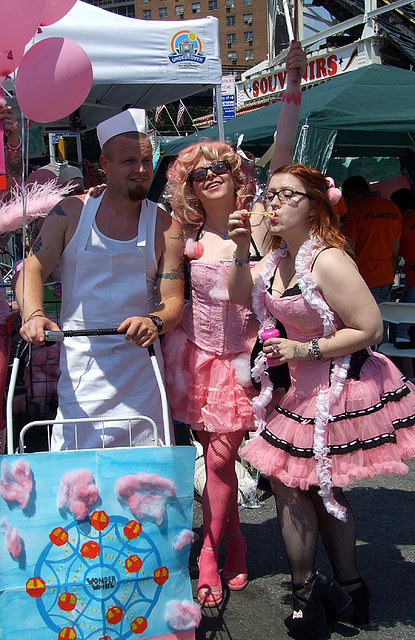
x=169, y=283
x=43, y=257
x=290, y=108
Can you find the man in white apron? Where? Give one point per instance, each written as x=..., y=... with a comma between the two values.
x=121, y=262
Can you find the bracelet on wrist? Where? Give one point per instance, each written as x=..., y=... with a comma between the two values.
x=313, y=348
x=289, y=96
x=240, y=263
x=37, y=313
x=16, y=148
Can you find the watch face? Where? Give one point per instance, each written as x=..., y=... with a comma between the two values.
x=157, y=321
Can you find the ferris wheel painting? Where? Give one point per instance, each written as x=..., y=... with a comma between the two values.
x=95, y=545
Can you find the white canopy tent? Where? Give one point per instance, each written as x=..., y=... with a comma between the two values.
x=137, y=63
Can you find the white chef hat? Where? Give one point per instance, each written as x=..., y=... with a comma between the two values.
x=129, y=120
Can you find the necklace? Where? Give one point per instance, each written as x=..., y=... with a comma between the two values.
x=224, y=236
x=291, y=272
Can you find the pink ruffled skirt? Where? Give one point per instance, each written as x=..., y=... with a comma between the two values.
x=207, y=390
x=370, y=431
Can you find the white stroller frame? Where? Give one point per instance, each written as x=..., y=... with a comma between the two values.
x=54, y=336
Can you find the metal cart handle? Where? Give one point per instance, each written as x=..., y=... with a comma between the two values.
x=58, y=336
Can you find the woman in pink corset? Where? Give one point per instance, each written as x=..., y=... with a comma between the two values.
x=207, y=355
x=349, y=412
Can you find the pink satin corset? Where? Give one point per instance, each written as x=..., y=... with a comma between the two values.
x=210, y=320
x=302, y=323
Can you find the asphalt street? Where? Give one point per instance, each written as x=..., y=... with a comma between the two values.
x=385, y=514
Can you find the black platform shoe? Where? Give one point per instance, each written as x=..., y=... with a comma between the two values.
x=309, y=616
x=360, y=601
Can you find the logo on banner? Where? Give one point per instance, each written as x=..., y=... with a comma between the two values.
x=186, y=49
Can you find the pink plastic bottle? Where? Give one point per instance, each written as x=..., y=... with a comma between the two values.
x=270, y=332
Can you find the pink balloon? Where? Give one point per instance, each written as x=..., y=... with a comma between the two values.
x=53, y=79
x=55, y=10
x=10, y=60
x=19, y=21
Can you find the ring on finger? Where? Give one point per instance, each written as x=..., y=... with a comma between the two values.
x=275, y=348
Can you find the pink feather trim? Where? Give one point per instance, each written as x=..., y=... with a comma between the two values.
x=38, y=198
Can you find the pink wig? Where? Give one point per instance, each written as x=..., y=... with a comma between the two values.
x=186, y=207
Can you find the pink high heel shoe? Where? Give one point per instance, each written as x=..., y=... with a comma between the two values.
x=234, y=578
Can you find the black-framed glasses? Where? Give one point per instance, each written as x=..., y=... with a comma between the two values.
x=219, y=167
x=283, y=195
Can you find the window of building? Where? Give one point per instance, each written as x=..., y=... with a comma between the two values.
x=246, y=3
x=247, y=18
x=231, y=38
x=179, y=10
x=162, y=12
x=196, y=7
x=144, y=1
x=230, y=21
x=147, y=14
x=232, y=56
x=249, y=36
x=249, y=54
x=213, y=5
x=230, y=4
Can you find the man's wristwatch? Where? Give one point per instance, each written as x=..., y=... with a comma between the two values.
x=158, y=322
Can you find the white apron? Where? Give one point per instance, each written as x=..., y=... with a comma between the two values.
x=105, y=281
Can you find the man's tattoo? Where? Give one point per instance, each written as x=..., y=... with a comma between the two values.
x=36, y=246
x=175, y=274
x=58, y=210
x=180, y=237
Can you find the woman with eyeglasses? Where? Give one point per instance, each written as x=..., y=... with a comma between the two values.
x=348, y=414
x=207, y=355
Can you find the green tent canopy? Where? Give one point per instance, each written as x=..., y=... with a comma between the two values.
x=364, y=113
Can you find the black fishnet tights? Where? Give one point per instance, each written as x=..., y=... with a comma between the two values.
x=302, y=516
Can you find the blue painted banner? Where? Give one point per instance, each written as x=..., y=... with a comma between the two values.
x=95, y=544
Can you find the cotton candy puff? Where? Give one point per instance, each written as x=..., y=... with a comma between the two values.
x=146, y=494
x=77, y=492
x=16, y=482
x=182, y=615
x=193, y=250
x=185, y=538
x=14, y=543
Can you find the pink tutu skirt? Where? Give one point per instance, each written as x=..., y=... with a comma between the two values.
x=207, y=390
x=370, y=431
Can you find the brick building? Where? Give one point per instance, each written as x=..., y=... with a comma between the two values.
x=122, y=7
x=243, y=24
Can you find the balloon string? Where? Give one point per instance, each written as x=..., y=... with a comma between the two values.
x=25, y=169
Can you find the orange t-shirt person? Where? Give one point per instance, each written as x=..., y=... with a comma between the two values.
x=373, y=226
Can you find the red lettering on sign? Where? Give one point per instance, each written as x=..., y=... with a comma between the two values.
x=272, y=86
x=255, y=88
x=332, y=65
x=311, y=75
x=321, y=68
x=281, y=78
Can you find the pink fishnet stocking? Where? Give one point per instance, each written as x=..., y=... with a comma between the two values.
x=219, y=498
